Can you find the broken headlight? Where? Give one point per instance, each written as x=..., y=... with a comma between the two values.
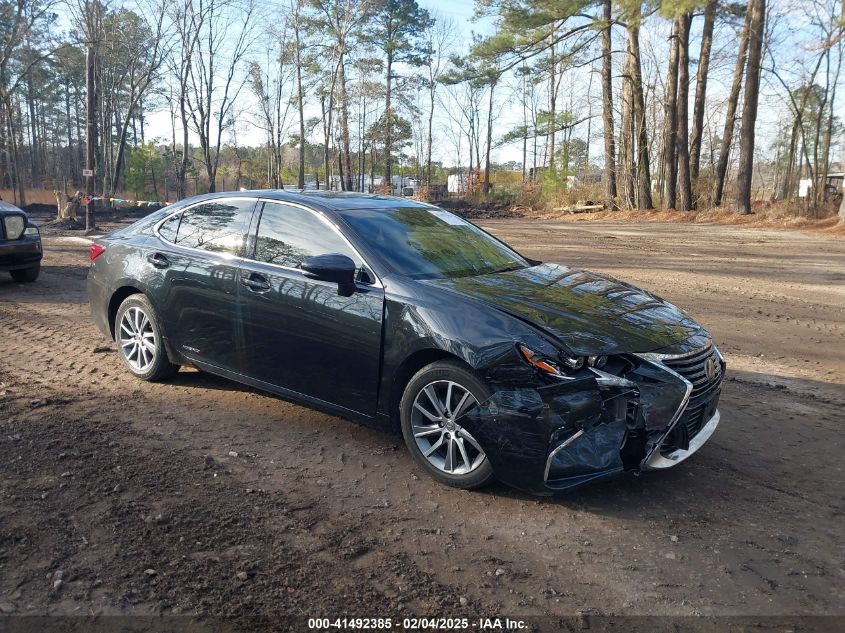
x=557, y=367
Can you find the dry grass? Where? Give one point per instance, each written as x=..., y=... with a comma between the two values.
x=764, y=216
x=33, y=196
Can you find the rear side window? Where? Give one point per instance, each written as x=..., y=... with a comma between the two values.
x=219, y=226
x=289, y=235
x=168, y=228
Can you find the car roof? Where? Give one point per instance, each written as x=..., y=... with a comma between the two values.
x=324, y=200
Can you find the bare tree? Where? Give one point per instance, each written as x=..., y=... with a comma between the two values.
x=340, y=20
x=19, y=18
x=644, y=200
x=607, y=105
x=670, y=123
x=138, y=47
x=730, y=115
x=297, y=28
x=701, y=87
x=756, y=26
x=439, y=37
x=687, y=203
x=268, y=84
x=225, y=31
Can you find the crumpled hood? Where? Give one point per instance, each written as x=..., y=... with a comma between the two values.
x=590, y=313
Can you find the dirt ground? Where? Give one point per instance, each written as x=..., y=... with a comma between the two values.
x=203, y=497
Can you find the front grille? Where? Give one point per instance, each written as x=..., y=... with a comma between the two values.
x=693, y=367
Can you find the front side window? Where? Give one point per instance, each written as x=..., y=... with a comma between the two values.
x=289, y=235
x=220, y=226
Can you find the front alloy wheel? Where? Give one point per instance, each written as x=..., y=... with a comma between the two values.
x=433, y=410
x=436, y=417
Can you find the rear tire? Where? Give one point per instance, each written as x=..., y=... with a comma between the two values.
x=26, y=275
x=139, y=342
x=435, y=401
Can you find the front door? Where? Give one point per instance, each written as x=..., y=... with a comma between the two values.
x=198, y=257
x=299, y=333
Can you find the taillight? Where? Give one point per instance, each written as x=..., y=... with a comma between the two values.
x=95, y=250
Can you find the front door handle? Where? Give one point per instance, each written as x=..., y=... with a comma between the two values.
x=158, y=260
x=256, y=282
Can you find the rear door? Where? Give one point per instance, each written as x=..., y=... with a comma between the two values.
x=197, y=257
x=299, y=334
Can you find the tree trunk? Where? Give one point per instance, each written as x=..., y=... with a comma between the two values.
x=687, y=203
x=607, y=108
x=388, y=124
x=670, y=124
x=730, y=116
x=552, y=104
x=91, y=137
x=788, y=188
x=182, y=176
x=644, y=200
x=430, y=139
x=15, y=162
x=485, y=187
x=626, y=134
x=326, y=138
x=300, y=101
x=701, y=88
x=757, y=8
x=346, y=150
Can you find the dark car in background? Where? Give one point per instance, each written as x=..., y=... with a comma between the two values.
x=380, y=308
x=20, y=244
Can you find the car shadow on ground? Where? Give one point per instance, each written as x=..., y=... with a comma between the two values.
x=801, y=425
x=733, y=464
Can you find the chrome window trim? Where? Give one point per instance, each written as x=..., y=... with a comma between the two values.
x=238, y=258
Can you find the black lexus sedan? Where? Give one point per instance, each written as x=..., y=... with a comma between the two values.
x=378, y=308
x=20, y=244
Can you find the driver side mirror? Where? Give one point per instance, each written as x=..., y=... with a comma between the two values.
x=332, y=267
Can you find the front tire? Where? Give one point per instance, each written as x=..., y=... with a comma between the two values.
x=139, y=342
x=26, y=275
x=435, y=401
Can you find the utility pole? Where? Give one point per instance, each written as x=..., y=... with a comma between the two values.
x=91, y=138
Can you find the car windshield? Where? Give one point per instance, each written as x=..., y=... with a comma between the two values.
x=426, y=242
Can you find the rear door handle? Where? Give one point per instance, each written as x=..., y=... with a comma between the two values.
x=158, y=260
x=256, y=282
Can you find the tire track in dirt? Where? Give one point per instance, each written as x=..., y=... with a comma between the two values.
x=739, y=509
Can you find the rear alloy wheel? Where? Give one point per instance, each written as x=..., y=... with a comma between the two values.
x=139, y=340
x=26, y=275
x=435, y=403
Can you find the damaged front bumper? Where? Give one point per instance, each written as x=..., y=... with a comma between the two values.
x=658, y=460
x=654, y=415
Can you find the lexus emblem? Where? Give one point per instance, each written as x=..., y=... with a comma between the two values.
x=710, y=368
